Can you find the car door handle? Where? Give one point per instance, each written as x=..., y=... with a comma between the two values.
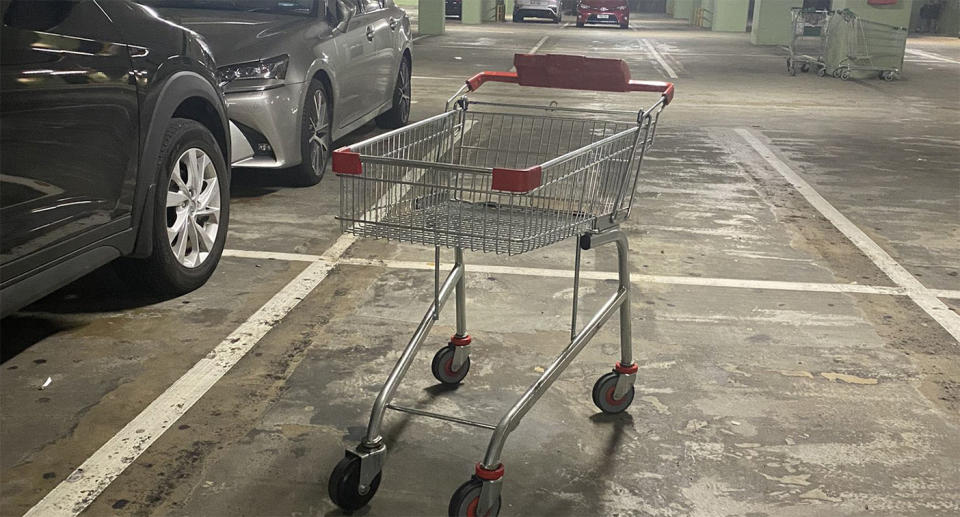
x=393, y=23
x=369, y=33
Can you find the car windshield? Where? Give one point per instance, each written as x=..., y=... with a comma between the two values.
x=291, y=7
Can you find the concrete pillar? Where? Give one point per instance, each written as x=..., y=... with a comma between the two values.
x=472, y=12
x=489, y=13
x=730, y=15
x=508, y=9
x=683, y=9
x=430, y=17
x=894, y=14
x=772, y=23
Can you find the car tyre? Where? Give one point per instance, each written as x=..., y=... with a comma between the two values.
x=399, y=114
x=316, y=141
x=580, y=25
x=200, y=199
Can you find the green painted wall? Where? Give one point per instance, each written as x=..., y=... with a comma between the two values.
x=730, y=15
x=682, y=9
x=772, y=23
x=472, y=12
x=895, y=14
x=430, y=17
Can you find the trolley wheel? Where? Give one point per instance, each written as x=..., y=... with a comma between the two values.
x=344, y=486
x=466, y=499
x=845, y=74
x=441, y=366
x=603, y=392
x=822, y=71
x=789, y=66
x=805, y=68
x=888, y=75
x=836, y=73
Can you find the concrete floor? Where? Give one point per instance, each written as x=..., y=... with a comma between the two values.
x=782, y=372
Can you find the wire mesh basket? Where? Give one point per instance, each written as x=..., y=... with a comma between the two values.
x=484, y=178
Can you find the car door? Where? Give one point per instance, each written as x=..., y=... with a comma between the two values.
x=380, y=33
x=364, y=58
x=68, y=130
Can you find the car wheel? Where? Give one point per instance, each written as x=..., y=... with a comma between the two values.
x=399, y=114
x=580, y=25
x=191, y=212
x=316, y=141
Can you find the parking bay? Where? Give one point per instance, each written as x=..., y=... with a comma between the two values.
x=782, y=371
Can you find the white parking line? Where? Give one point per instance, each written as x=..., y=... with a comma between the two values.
x=922, y=296
x=74, y=494
x=538, y=45
x=931, y=55
x=656, y=55
x=91, y=478
x=775, y=285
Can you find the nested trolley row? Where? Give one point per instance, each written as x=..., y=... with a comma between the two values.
x=505, y=178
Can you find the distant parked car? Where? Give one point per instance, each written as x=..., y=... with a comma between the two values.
x=454, y=8
x=615, y=12
x=115, y=143
x=537, y=9
x=299, y=74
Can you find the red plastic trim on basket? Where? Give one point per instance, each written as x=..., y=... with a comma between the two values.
x=489, y=475
x=346, y=161
x=626, y=370
x=498, y=77
x=460, y=341
x=517, y=180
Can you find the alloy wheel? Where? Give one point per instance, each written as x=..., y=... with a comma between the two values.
x=403, y=88
x=319, y=125
x=193, y=207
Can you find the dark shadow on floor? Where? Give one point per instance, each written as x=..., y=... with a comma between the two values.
x=19, y=332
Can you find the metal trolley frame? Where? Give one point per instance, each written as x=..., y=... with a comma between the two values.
x=807, y=41
x=506, y=178
x=868, y=45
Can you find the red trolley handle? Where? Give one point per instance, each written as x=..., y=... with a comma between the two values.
x=573, y=73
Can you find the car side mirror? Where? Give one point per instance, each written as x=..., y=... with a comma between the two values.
x=345, y=12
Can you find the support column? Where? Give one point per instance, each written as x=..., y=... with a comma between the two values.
x=730, y=15
x=472, y=12
x=508, y=9
x=683, y=9
x=772, y=23
x=430, y=17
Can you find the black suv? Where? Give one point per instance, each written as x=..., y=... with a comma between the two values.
x=115, y=143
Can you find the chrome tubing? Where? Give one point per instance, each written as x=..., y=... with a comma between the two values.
x=620, y=300
x=373, y=438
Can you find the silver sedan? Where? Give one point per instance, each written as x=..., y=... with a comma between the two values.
x=299, y=74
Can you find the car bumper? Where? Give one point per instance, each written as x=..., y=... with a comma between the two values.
x=453, y=9
x=269, y=123
x=611, y=17
x=539, y=11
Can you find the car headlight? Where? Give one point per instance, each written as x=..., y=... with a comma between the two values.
x=273, y=68
x=621, y=8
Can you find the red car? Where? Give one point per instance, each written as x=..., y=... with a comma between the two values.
x=603, y=11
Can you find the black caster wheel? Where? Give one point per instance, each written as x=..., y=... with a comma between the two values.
x=441, y=366
x=466, y=499
x=821, y=71
x=845, y=75
x=603, y=392
x=805, y=68
x=344, y=486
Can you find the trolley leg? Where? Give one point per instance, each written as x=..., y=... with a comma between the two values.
x=491, y=470
x=460, y=340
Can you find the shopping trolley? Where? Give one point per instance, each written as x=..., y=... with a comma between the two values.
x=806, y=40
x=858, y=45
x=505, y=178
